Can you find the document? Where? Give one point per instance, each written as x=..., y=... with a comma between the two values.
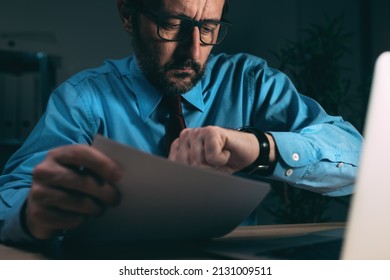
x=162, y=199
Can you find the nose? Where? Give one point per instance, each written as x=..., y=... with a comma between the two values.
x=192, y=45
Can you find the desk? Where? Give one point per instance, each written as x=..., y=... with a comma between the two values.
x=211, y=249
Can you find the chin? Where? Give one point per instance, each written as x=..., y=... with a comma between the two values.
x=175, y=87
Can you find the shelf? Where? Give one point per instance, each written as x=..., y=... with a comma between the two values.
x=27, y=81
x=18, y=62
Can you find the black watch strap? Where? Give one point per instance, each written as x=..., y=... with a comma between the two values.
x=261, y=166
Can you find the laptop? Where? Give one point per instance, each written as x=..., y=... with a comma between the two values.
x=368, y=231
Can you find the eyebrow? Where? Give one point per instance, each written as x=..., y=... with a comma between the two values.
x=185, y=16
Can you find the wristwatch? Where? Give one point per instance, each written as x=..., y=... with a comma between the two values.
x=261, y=166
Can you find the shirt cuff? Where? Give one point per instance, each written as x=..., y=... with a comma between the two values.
x=294, y=156
x=13, y=230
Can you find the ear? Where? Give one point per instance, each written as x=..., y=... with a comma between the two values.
x=125, y=17
x=127, y=24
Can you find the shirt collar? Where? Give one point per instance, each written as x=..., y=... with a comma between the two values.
x=148, y=97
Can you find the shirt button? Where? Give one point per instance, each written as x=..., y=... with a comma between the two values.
x=341, y=164
x=289, y=172
x=295, y=156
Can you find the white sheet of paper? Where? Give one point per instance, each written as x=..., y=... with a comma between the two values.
x=162, y=199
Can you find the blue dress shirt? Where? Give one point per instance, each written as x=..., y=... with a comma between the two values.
x=316, y=151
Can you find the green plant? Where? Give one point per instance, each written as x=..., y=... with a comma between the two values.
x=314, y=62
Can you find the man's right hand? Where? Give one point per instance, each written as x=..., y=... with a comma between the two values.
x=71, y=184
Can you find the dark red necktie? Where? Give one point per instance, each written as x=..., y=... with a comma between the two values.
x=176, y=121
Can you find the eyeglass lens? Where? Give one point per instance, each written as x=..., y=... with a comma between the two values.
x=177, y=29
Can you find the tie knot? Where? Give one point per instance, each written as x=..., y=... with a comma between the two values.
x=173, y=104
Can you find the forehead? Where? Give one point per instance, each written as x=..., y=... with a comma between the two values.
x=196, y=9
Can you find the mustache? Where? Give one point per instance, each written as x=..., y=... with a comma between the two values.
x=183, y=64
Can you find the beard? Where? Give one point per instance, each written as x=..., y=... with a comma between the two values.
x=180, y=82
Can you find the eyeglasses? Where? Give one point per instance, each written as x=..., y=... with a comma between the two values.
x=177, y=28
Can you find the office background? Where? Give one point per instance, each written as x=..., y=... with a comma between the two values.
x=82, y=34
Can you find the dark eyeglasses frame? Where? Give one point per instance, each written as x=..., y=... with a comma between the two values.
x=158, y=18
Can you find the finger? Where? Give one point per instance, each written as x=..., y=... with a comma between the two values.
x=179, y=148
x=65, y=200
x=196, y=153
x=59, y=220
x=214, y=152
x=214, y=141
x=173, y=150
x=59, y=176
x=200, y=147
x=88, y=157
x=44, y=222
x=188, y=148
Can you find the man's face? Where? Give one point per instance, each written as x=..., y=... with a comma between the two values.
x=173, y=67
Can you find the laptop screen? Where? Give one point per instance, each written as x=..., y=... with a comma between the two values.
x=368, y=230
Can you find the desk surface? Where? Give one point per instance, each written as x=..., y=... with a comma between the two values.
x=192, y=251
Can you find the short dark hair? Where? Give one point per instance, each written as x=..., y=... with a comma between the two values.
x=226, y=7
x=127, y=7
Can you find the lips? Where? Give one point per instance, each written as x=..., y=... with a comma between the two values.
x=184, y=66
x=182, y=71
x=185, y=69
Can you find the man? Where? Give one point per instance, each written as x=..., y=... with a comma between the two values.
x=56, y=180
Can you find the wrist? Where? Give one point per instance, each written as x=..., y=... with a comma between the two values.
x=264, y=164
